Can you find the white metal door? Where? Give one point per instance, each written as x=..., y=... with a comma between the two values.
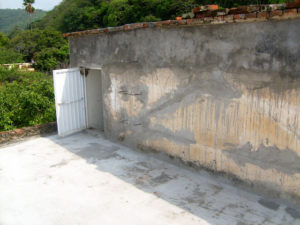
x=69, y=89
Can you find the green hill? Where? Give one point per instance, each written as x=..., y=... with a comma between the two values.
x=11, y=18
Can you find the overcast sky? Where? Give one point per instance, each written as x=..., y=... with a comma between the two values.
x=39, y=4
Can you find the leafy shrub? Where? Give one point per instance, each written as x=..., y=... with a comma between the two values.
x=150, y=18
x=10, y=56
x=26, y=99
x=50, y=58
x=47, y=48
x=9, y=75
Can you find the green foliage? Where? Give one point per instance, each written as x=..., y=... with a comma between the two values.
x=48, y=48
x=10, y=56
x=3, y=40
x=49, y=58
x=12, y=18
x=150, y=18
x=28, y=6
x=26, y=99
x=29, y=9
x=28, y=2
x=76, y=15
x=119, y=11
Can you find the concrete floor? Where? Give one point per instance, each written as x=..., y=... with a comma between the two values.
x=85, y=179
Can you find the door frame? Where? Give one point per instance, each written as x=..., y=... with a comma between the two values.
x=84, y=72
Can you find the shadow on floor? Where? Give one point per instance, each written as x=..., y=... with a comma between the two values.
x=198, y=193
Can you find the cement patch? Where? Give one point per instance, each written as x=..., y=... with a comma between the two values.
x=268, y=204
x=293, y=212
x=97, y=151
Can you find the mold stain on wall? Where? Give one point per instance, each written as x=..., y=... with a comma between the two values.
x=253, y=134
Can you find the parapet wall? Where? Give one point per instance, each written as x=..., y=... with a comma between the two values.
x=225, y=97
x=18, y=134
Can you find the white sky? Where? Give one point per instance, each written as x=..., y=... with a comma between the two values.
x=39, y=4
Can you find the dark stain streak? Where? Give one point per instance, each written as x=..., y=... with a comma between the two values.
x=163, y=178
x=293, y=212
x=268, y=204
x=62, y=163
x=98, y=152
x=286, y=161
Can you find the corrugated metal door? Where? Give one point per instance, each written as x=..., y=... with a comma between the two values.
x=69, y=88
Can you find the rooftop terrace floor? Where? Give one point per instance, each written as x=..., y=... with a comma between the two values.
x=85, y=179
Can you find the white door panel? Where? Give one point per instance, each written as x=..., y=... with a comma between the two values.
x=69, y=100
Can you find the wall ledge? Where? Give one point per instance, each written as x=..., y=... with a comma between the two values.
x=18, y=134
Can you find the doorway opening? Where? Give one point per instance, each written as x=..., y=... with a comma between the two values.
x=94, y=99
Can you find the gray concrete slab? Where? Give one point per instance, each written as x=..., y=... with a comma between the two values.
x=85, y=179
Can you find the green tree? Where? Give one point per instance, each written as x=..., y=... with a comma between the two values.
x=50, y=58
x=29, y=9
x=47, y=48
x=10, y=56
x=3, y=40
x=119, y=12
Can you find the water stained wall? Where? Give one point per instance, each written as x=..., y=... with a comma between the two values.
x=225, y=97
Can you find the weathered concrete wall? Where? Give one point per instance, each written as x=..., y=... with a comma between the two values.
x=225, y=97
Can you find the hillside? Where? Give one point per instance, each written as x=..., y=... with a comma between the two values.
x=76, y=15
x=10, y=18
